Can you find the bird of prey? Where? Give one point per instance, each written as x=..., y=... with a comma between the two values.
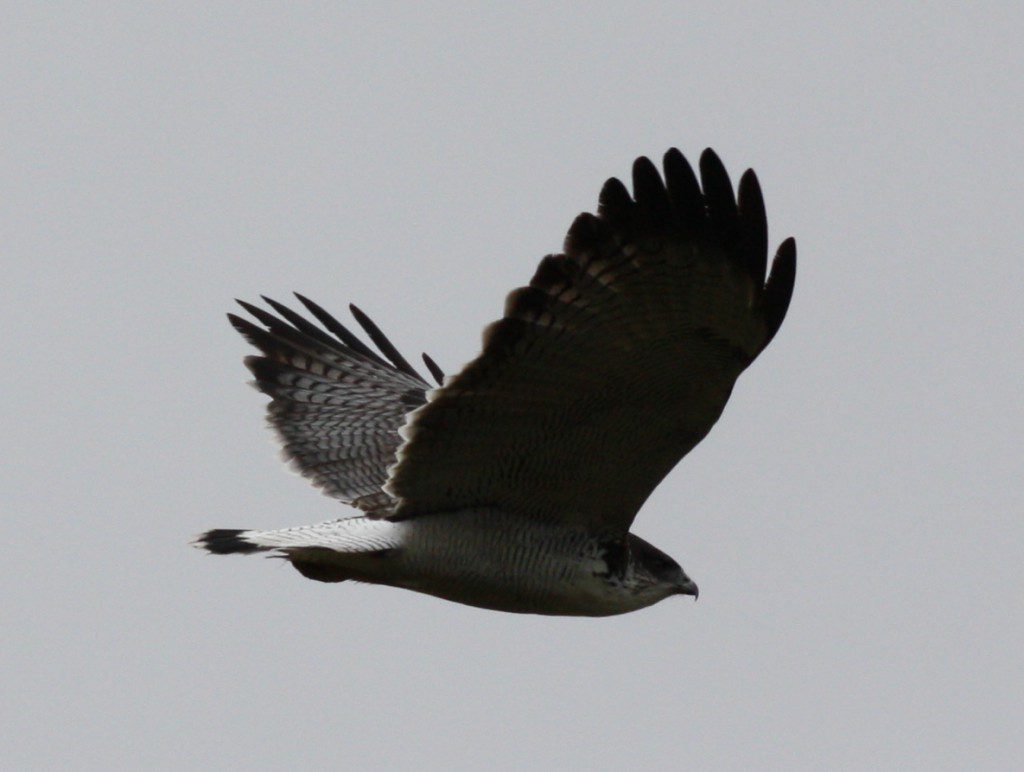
x=513, y=484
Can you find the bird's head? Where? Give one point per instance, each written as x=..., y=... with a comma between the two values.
x=656, y=572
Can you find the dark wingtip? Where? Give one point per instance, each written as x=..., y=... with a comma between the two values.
x=262, y=316
x=778, y=291
x=652, y=202
x=710, y=163
x=673, y=156
x=683, y=189
x=753, y=225
x=255, y=335
x=381, y=341
x=718, y=193
x=225, y=541
x=435, y=371
x=615, y=205
x=338, y=329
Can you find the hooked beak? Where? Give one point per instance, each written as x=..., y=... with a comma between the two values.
x=689, y=588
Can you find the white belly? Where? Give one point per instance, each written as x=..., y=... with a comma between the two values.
x=503, y=562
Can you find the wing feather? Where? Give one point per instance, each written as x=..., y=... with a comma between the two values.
x=612, y=364
x=336, y=404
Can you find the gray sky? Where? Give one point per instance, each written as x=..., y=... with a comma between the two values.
x=854, y=520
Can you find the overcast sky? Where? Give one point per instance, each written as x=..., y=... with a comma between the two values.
x=854, y=521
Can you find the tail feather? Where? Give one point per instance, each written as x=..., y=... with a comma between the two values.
x=227, y=541
x=357, y=535
x=351, y=548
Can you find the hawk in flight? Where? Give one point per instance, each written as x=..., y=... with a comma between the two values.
x=513, y=484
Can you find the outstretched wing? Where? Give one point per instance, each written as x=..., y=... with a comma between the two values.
x=337, y=404
x=613, y=363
